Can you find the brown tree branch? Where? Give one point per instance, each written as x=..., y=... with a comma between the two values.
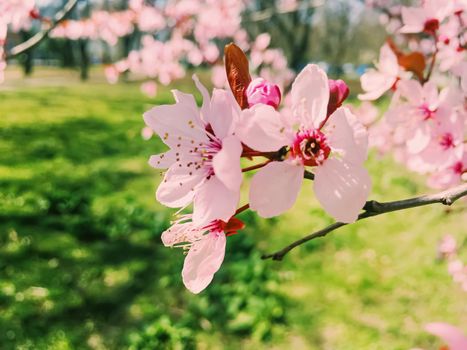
x=37, y=38
x=374, y=208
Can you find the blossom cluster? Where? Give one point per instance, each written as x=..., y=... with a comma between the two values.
x=314, y=135
x=426, y=122
x=178, y=32
x=17, y=14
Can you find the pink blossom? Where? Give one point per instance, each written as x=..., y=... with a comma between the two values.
x=375, y=82
x=205, y=245
x=335, y=146
x=150, y=19
x=218, y=76
x=433, y=127
x=149, y=88
x=262, y=42
x=454, y=338
x=447, y=246
x=17, y=13
x=111, y=74
x=262, y=91
x=338, y=92
x=449, y=176
x=426, y=18
x=204, y=157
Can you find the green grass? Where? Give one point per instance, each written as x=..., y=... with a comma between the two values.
x=82, y=265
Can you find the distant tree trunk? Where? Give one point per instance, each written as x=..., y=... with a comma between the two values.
x=68, y=57
x=84, y=59
x=26, y=59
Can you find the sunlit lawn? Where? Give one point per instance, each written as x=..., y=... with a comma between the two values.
x=82, y=266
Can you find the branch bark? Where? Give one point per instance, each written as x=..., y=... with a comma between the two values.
x=37, y=38
x=374, y=208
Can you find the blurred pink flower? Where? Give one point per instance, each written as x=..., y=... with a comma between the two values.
x=262, y=91
x=447, y=246
x=336, y=147
x=204, y=157
x=218, y=76
x=375, y=82
x=111, y=74
x=149, y=88
x=426, y=18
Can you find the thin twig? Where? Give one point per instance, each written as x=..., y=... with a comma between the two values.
x=256, y=166
x=374, y=208
x=37, y=38
x=433, y=59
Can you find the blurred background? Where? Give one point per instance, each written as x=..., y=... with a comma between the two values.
x=81, y=261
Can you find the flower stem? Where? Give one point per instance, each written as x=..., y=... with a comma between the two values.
x=433, y=59
x=242, y=209
x=256, y=166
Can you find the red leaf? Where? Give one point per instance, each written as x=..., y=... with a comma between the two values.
x=238, y=74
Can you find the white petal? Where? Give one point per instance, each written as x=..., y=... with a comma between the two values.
x=202, y=261
x=310, y=95
x=262, y=128
x=214, y=201
x=175, y=124
x=351, y=142
x=163, y=160
x=226, y=163
x=375, y=84
x=177, y=188
x=223, y=113
x=274, y=188
x=341, y=188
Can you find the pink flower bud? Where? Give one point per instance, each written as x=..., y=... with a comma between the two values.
x=262, y=91
x=338, y=92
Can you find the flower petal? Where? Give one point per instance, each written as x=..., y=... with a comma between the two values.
x=310, y=95
x=341, y=188
x=226, y=163
x=177, y=188
x=223, y=113
x=214, y=201
x=206, y=106
x=347, y=136
x=175, y=124
x=375, y=84
x=413, y=19
x=274, y=188
x=203, y=260
x=163, y=160
x=262, y=128
x=411, y=90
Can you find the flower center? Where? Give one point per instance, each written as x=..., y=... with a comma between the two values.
x=431, y=26
x=458, y=168
x=426, y=111
x=311, y=147
x=447, y=141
